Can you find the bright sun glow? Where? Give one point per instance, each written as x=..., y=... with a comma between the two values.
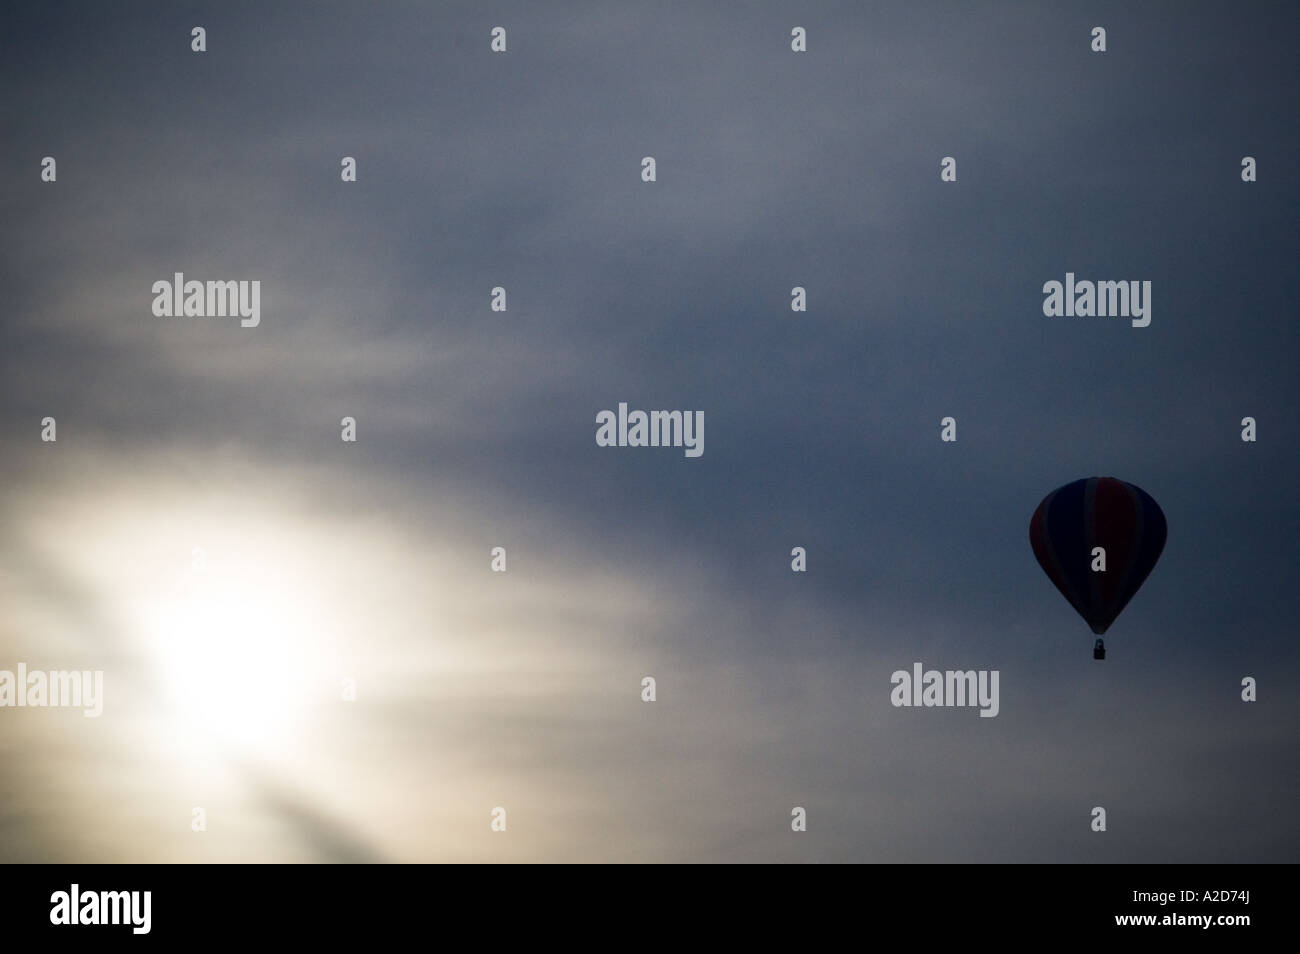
x=233, y=658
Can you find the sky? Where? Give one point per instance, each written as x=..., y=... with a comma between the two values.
x=326, y=560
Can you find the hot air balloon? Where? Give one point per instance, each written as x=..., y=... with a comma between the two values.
x=1121, y=519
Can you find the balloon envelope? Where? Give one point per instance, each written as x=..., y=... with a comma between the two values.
x=1103, y=512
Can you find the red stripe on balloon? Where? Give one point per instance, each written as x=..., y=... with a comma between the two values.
x=1115, y=522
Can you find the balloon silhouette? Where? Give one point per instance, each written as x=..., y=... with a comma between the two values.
x=1098, y=512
